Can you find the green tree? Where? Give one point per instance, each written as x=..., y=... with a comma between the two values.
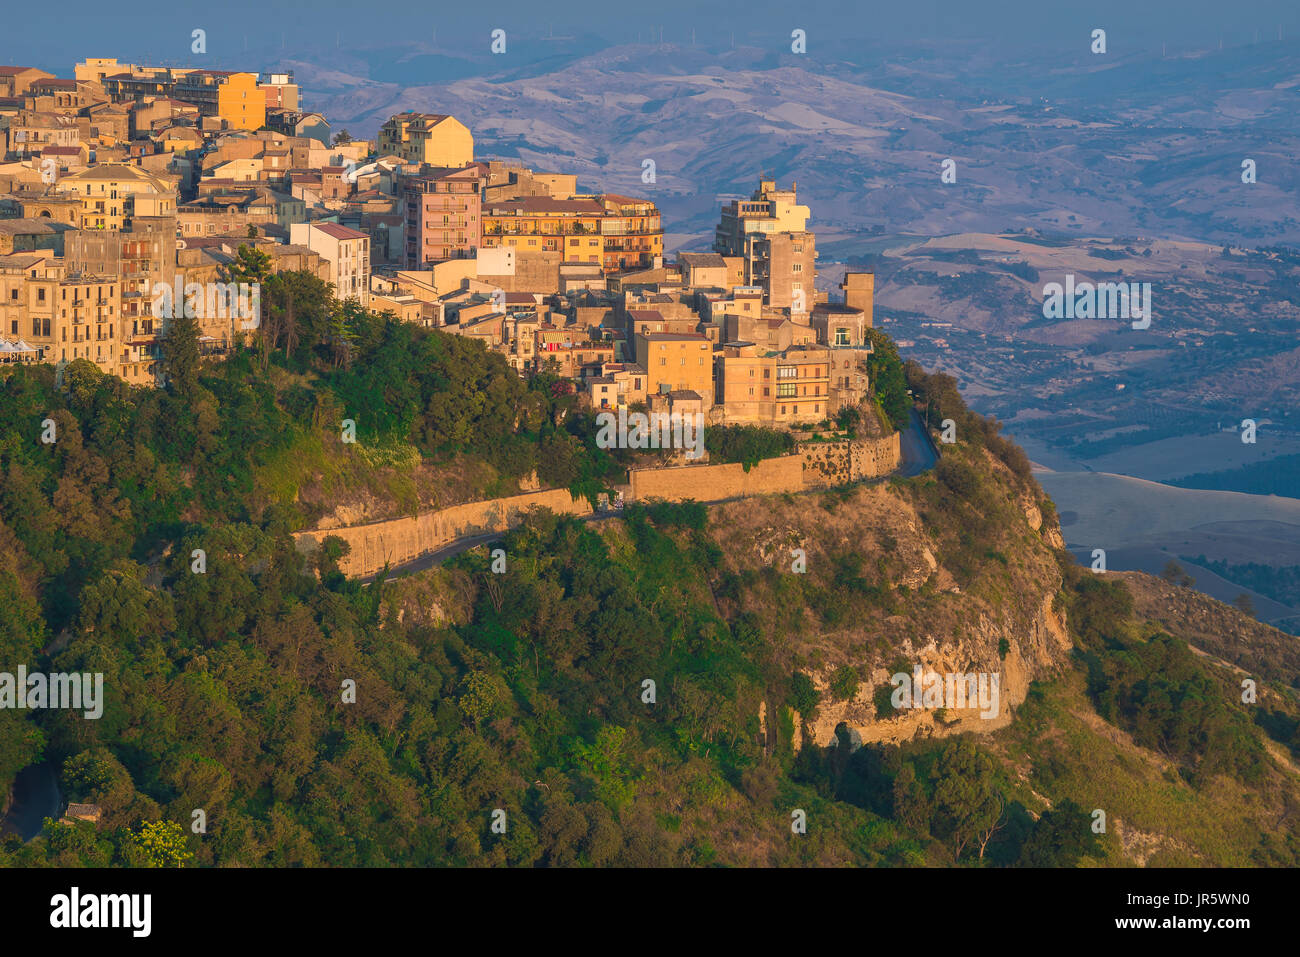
x=250, y=264
x=180, y=351
x=885, y=369
x=803, y=694
x=159, y=844
x=1061, y=837
x=967, y=804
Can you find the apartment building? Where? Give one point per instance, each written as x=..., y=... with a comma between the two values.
x=619, y=384
x=633, y=233
x=141, y=257
x=346, y=250
x=64, y=315
x=570, y=353
x=769, y=233
x=677, y=362
x=711, y=270
x=506, y=181
x=234, y=98
x=112, y=193
x=17, y=80
x=859, y=293
x=280, y=89
x=32, y=132
x=774, y=389
x=432, y=138
x=616, y=232
x=443, y=214
x=227, y=212
x=570, y=227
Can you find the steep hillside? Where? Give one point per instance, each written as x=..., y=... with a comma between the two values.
x=677, y=686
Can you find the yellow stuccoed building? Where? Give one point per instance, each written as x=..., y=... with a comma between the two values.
x=113, y=193
x=433, y=138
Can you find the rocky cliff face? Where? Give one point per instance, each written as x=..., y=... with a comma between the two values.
x=940, y=597
x=1035, y=649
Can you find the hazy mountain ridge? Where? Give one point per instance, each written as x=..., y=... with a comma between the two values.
x=1117, y=154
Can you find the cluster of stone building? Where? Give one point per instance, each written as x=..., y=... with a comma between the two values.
x=126, y=177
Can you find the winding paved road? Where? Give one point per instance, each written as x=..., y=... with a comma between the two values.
x=917, y=454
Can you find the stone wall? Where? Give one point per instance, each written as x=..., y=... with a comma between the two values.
x=836, y=463
x=818, y=465
x=815, y=465
x=709, y=483
x=401, y=540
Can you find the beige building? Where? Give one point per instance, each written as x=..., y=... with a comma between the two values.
x=774, y=389
x=769, y=232
x=17, y=80
x=619, y=384
x=113, y=193
x=711, y=270
x=347, y=251
x=433, y=138
x=677, y=362
x=31, y=132
x=228, y=212
x=142, y=257
x=860, y=293
x=63, y=315
x=401, y=307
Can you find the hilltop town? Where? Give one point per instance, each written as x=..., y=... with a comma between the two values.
x=304, y=467
x=125, y=180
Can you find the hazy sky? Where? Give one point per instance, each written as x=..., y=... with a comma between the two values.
x=54, y=35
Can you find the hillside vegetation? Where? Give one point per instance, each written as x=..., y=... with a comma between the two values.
x=660, y=689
